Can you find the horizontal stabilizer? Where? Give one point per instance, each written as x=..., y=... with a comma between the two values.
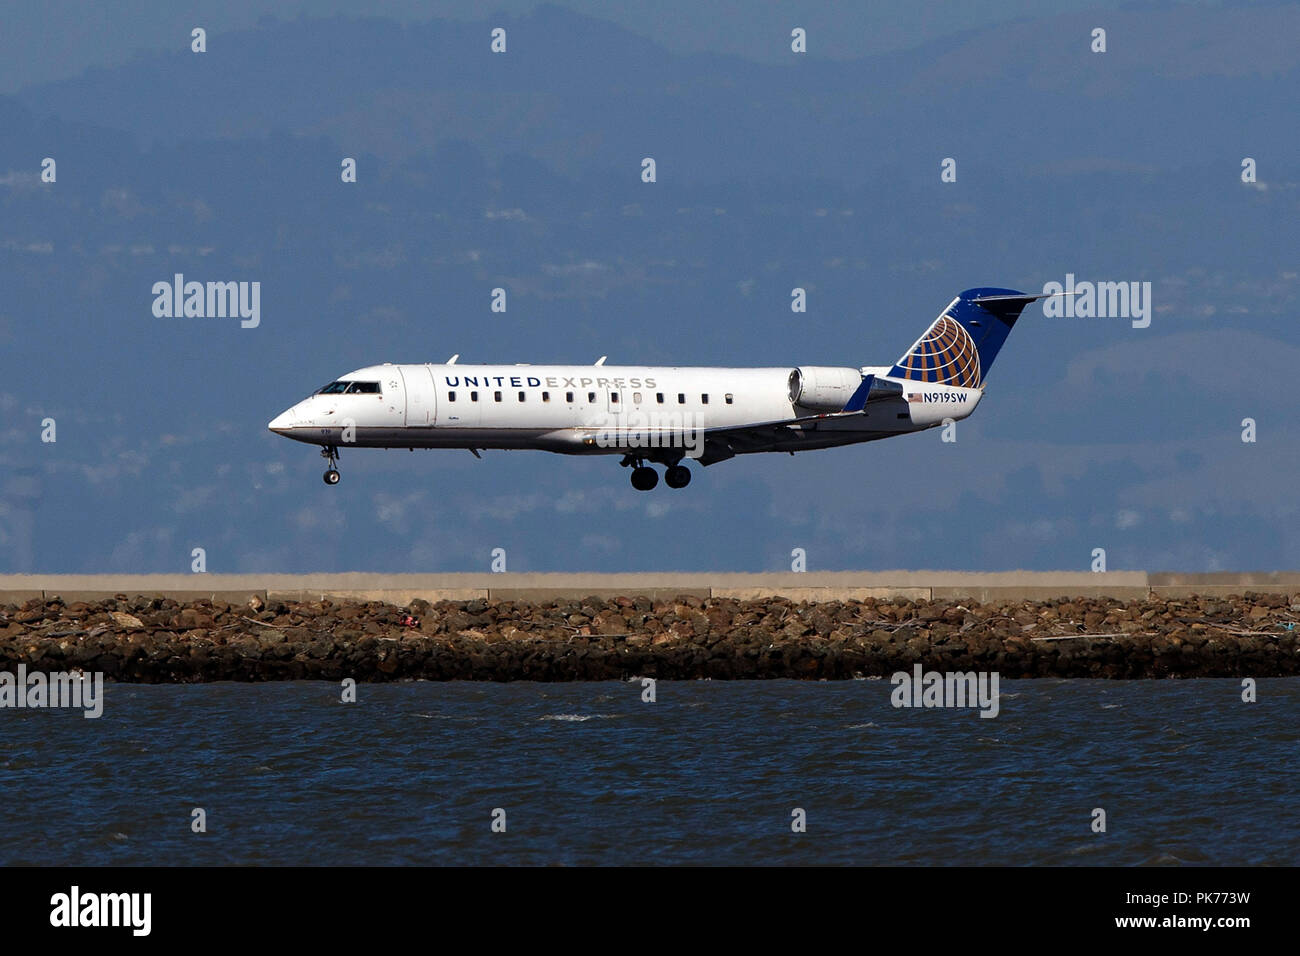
x=872, y=389
x=989, y=301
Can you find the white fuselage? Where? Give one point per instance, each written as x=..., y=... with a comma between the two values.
x=587, y=409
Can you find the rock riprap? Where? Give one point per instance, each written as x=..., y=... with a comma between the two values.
x=157, y=640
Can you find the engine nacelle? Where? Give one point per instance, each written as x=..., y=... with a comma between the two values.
x=822, y=387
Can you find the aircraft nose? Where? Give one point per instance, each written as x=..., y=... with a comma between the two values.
x=283, y=422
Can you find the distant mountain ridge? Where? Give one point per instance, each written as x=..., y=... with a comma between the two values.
x=582, y=94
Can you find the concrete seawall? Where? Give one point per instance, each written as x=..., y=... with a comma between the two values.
x=401, y=589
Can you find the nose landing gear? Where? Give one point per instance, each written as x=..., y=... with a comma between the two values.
x=331, y=454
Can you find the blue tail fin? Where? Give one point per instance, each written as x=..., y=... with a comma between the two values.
x=961, y=344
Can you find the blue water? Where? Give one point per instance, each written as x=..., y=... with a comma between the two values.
x=710, y=773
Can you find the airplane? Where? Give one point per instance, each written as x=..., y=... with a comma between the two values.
x=662, y=415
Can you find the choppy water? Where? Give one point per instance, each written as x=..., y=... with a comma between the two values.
x=588, y=773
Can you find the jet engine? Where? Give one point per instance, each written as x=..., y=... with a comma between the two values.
x=823, y=388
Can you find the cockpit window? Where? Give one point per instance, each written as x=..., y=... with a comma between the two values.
x=351, y=388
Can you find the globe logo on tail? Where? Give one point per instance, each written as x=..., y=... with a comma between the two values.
x=945, y=355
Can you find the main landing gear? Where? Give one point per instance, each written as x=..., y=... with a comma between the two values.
x=645, y=478
x=331, y=454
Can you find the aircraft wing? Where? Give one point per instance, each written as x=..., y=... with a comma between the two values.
x=723, y=443
x=729, y=441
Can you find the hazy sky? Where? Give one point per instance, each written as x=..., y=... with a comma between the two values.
x=523, y=172
x=60, y=38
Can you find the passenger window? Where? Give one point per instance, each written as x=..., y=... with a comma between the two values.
x=568, y=397
x=591, y=398
x=546, y=396
x=613, y=398
x=473, y=396
x=681, y=398
x=659, y=397
x=704, y=399
x=521, y=396
x=451, y=396
x=497, y=396
x=729, y=402
x=636, y=397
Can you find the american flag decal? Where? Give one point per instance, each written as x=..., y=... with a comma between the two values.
x=914, y=396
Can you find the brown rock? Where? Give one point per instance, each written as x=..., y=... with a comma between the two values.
x=609, y=622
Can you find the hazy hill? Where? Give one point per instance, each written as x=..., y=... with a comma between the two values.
x=522, y=171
